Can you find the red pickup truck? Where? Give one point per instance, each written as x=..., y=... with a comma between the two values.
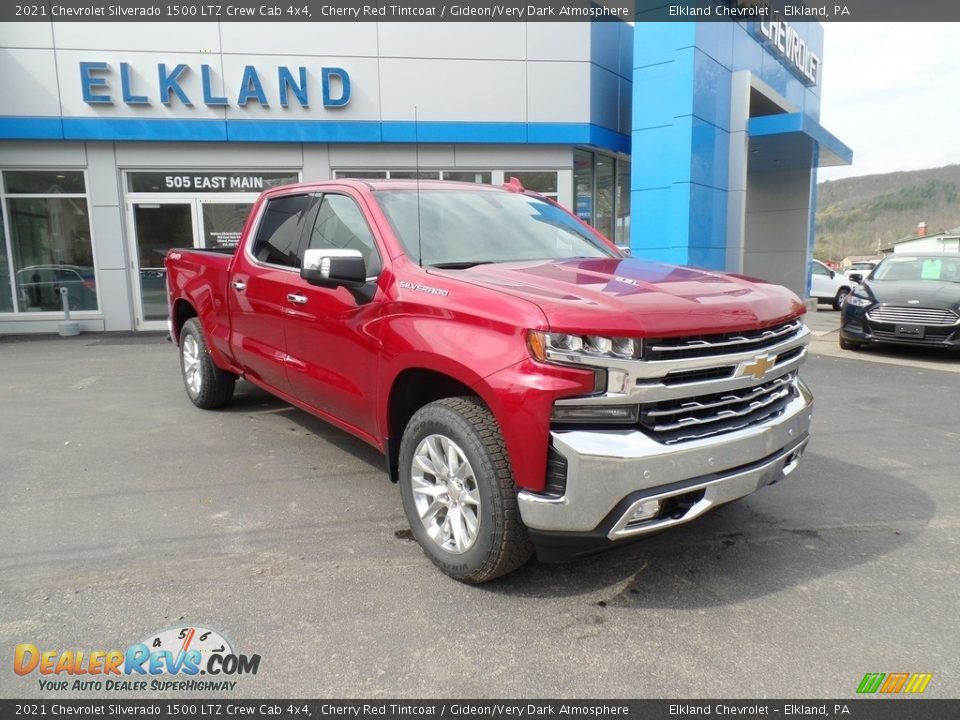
x=529, y=386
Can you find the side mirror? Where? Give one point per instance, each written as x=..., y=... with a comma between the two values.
x=334, y=268
x=855, y=277
x=832, y=274
x=626, y=252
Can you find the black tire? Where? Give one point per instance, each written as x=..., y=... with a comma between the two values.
x=500, y=544
x=841, y=296
x=848, y=345
x=209, y=387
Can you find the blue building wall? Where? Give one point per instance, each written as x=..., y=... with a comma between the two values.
x=682, y=84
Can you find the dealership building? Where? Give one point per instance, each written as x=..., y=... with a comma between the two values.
x=692, y=143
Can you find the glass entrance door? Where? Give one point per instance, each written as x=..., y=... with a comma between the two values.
x=223, y=220
x=163, y=223
x=157, y=227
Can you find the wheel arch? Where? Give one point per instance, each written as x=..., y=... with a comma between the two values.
x=182, y=311
x=411, y=389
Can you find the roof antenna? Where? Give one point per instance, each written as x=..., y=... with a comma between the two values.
x=416, y=150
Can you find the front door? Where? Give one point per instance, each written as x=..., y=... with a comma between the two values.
x=332, y=342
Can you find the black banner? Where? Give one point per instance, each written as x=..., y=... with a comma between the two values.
x=875, y=709
x=478, y=10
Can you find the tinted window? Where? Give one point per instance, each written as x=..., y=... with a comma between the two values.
x=819, y=269
x=278, y=237
x=340, y=225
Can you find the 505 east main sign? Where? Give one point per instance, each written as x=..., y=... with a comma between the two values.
x=99, y=83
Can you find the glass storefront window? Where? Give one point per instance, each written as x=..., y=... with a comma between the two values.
x=601, y=188
x=223, y=224
x=543, y=182
x=412, y=174
x=583, y=184
x=484, y=178
x=603, y=195
x=471, y=176
x=6, y=294
x=622, y=231
x=50, y=240
x=362, y=174
x=48, y=247
x=38, y=182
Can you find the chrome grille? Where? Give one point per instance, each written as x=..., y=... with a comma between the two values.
x=913, y=315
x=705, y=345
x=702, y=416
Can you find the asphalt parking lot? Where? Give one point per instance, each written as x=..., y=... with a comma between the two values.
x=125, y=511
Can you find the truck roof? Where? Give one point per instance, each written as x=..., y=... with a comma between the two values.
x=405, y=184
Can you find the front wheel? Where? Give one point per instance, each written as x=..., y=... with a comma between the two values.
x=207, y=385
x=458, y=492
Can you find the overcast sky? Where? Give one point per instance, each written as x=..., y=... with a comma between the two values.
x=891, y=92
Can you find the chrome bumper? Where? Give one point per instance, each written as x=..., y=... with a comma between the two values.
x=604, y=468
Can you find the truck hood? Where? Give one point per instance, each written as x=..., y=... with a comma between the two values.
x=629, y=296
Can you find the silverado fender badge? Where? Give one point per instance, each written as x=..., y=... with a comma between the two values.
x=423, y=288
x=756, y=368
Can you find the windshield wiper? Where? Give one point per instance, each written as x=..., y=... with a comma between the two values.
x=460, y=265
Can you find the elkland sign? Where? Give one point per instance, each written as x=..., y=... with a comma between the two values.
x=101, y=81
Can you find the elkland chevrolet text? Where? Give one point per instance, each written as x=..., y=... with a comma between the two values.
x=529, y=387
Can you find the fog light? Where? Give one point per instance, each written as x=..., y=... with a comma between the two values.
x=647, y=510
x=595, y=413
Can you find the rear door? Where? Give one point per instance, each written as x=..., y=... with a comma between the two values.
x=260, y=284
x=332, y=337
x=821, y=286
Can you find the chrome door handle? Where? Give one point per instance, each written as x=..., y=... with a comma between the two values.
x=297, y=298
x=237, y=285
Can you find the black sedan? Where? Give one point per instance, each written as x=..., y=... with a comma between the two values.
x=907, y=300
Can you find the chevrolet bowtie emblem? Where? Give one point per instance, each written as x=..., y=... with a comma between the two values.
x=758, y=367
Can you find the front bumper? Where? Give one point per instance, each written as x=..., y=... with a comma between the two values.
x=856, y=327
x=613, y=473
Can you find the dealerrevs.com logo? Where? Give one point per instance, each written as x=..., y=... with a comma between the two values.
x=179, y=653
x=891, y=683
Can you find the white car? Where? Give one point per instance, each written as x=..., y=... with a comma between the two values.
x=858, y=271
x=827, y=285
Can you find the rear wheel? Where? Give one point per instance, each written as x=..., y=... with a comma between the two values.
x=458, y=492
x=207, y=385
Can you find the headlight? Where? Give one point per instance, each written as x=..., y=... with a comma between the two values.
x=858, y=300
x=571, y=348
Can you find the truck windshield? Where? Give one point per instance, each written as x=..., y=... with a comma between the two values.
x=458, y=229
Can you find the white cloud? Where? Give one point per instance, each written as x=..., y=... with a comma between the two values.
x=890, y=93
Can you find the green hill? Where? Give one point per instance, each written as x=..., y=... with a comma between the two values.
x=856, y=215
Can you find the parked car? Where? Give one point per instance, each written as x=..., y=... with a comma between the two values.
x=529, y=387
x=859, y=270
x=828, y=285
x=907, y=300
x=39, y=287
